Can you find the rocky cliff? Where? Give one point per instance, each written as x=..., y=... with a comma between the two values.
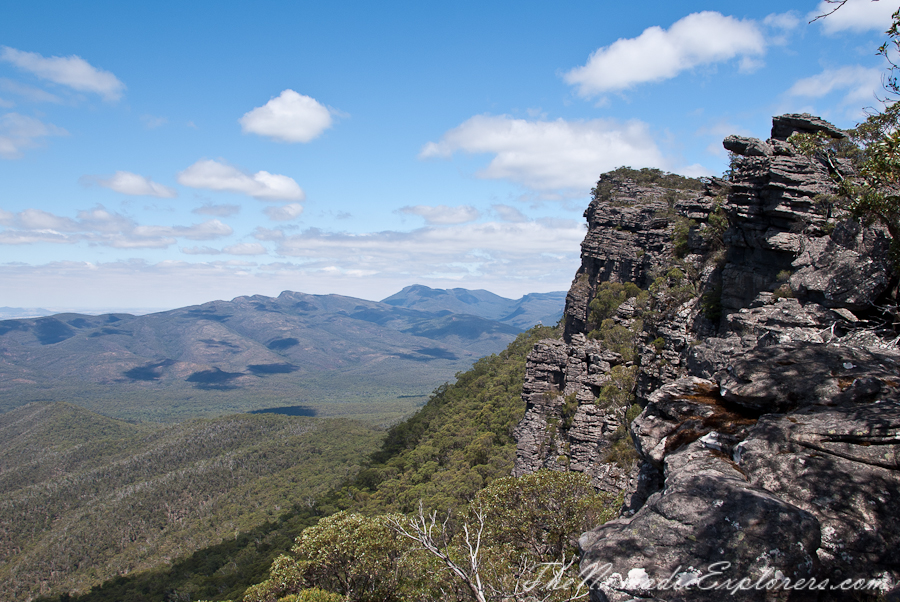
x=730, y=362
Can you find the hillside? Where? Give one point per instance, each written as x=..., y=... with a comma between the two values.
x=323, y=355
x=458, y=443
x=86, y=498
x=535, y=308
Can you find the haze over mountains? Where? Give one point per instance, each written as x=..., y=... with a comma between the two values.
x=317, y=354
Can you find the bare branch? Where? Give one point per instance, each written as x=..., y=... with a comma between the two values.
x=839, y=3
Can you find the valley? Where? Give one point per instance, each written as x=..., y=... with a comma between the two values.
x=322, y=355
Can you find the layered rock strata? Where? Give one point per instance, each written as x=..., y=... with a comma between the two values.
x=767, y=375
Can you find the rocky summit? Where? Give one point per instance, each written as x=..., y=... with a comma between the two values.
x=730, y=361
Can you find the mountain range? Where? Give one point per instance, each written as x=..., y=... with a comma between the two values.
x=295, y=353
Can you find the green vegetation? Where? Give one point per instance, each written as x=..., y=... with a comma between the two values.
x=717, y=224
x=458, y=443
x=622, y=451
x=333, y=355
x=87, y=498
x=611, y=295
x=644, y=177
x=681, y=233
x=487, y=552
x=619, y=391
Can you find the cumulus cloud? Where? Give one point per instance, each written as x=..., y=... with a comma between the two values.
x=284, y=213
x=100, y=226
x=855, y=16
x=508, y=259
x=132, y=184
x=658, y=54
x=509, y=214
x=265, y=186
x=217, y=210
x=260, y=233
x=432, y=243
x=245, y=248
x=200, y=251
x=37, y=219
x=19, y=132
x=858, y=84
x=72, y=71
x=207, y=230
x=783, y=21
x=551, y=155
x=442, y=214
x=291, y=117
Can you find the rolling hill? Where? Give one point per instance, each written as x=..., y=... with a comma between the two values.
x=87, y=498
x=324, y=355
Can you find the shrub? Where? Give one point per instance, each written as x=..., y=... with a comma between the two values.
x=681, y=234
x=619, y=391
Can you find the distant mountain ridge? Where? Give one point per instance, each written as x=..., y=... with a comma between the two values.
x=323, y=354
x=523, y=313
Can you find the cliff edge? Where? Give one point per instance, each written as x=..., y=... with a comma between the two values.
x=730, y=362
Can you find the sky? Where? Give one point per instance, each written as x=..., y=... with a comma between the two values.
x=157, y=155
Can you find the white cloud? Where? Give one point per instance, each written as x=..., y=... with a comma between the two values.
x=141, y=241
x=509, y=214
x=213, y=175
x=207, y=230
x=245, y=248
x=291, y=117
x=784, y=21
x=151, y=122
x=855, y=15
x=284, y=213
x=508, y=259
x=72, y=71
x=18, y=132
x=200, y=251
x=551, y=155
x=19, y=237
x=102, y=227
x=260, y=233
x=441, y=244
x=133, y=184
x=29, y=92
x=99, y=219
x=442, y=214
x=859, y=85
x=36, y=219
x=217, y=210
x=658, y=54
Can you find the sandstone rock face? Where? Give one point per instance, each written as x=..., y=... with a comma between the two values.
x=767, y=379
x=771, y=207
x=573, y=433
x=628, y=235
x=847, y=269
x=707, y=513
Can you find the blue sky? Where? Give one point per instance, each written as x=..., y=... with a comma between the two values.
x=166, y=154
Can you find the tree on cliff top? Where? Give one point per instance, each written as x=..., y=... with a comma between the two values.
x=873, y=191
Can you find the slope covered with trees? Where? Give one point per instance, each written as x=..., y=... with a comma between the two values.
x=454, y=455
x=86, y=498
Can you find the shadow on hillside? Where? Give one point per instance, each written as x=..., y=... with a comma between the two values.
x=288, y=411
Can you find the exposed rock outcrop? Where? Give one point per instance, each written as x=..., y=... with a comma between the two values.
x=766, y=377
